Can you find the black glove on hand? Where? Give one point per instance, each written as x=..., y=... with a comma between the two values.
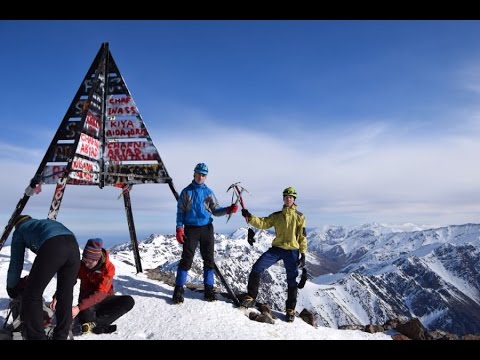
x=301, y=261
x=251, y=236
x=12, y=292
x=18, y=289
x=303, y=279
x=246, y=214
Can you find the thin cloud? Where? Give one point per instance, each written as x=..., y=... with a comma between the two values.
x=365, y=174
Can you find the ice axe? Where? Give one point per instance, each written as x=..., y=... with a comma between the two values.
x=251, y=232
x=238, y=193
x=238, y=190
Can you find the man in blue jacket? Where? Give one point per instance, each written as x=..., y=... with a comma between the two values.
x=195, y=207
x=57, y=253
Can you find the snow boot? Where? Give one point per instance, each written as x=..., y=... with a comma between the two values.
x=253, y=284
x=87, y=328
x=104, y=329
x=178, y=295
x=209, y=293
x=248, y=302
x=290, y=315
x=291, y=302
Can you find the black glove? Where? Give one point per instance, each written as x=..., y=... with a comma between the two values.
x=303, y=279
x=12, y=292
x=246, y=214
x=301, y=261
x=251, y=236
x=18, y=289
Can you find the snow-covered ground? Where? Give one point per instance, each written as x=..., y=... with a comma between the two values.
x=154, y=317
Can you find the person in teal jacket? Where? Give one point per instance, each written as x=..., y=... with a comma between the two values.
x=195, y=207
x=289, y=245
x=57, y=252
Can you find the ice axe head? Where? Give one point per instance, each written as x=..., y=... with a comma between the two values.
x=233, y=185
x=239, y=190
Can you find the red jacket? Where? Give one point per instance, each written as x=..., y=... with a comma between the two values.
x=95, y=284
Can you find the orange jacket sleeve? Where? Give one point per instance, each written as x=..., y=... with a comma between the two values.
x=95, y=286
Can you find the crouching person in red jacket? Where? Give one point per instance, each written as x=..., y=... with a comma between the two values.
x=98, y=306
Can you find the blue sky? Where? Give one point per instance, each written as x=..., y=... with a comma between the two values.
x=371, y=121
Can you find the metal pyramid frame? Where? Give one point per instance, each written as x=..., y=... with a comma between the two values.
x=101, y=141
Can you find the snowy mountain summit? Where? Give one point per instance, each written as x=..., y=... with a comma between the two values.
x=378, y=273
x=154, y=317
x=359, y=275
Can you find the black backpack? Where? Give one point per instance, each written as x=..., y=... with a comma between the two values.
x=15, y=329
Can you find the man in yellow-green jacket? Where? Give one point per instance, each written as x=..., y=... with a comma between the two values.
x=289, y=245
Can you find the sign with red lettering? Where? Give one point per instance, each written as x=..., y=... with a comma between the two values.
x=92, y=124
x=120, y=105
x=133, y=150
x=91, y=178
x=124, y=127
x=86, y=170
x=88, y=146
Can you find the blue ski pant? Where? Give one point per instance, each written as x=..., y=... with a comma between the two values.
x=270, y=257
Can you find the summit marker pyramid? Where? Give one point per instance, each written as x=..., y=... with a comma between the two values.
x=101, y=141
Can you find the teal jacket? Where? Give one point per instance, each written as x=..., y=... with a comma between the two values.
x=30, y=234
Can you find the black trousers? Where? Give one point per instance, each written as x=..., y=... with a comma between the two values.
x=195, y=235
x=107, y=311
x=58, y=255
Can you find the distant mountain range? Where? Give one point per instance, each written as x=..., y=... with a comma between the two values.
x=358, y=275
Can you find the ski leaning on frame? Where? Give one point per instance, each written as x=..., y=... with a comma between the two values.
x=18, y=210
x=57, y=197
